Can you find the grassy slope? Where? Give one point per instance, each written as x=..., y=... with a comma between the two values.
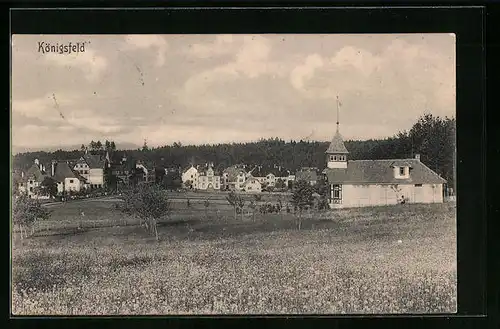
x=341, y=262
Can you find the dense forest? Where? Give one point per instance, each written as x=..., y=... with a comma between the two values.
x=432, y=137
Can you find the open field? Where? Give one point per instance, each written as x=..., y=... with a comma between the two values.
x=396, y=259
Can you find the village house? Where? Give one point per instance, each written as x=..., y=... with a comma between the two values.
x=31, y=181
x=357, y=183
x=67, y=180
x=91, y=167
x=148, y=172
x=271, y=176
x=208, y=179
x=234, y=177
x=252, y=185
x=189, y=177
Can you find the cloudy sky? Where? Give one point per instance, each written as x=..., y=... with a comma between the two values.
x=221, y=88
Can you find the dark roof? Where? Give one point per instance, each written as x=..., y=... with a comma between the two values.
x=307, y=175
x=94, y=161
x=35, y=173
x=381, y=171
x=63, y=171
x=263, y=172
x=233, y=172
x=337, y=145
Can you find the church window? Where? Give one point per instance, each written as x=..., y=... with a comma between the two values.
x=402, y=171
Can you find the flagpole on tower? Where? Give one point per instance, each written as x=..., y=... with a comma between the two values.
x=337, y=113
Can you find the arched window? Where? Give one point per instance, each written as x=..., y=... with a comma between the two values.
x=331, y=157
x=334, y=158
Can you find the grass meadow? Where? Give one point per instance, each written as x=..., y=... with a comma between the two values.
x=394, y=259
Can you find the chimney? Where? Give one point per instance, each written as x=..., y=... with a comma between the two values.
x=417, y=156
x=37, y=162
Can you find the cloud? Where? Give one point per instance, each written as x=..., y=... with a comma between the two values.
x=222, y=45
x=250, y=60
x=305, y=71
x=144, y=42
x=413, y=76
x=89, y=62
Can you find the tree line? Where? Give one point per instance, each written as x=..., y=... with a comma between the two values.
x=431, y=136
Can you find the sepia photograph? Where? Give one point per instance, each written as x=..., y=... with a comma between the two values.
x=174, y=174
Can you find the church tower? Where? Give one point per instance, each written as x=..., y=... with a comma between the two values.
x=336, y=154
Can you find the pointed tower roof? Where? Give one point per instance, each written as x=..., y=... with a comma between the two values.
x=337, y=145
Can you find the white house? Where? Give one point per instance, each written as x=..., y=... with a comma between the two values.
x=234, y=177
x=91, y=167
x=190, y=177
x=208, y=180
x=67, y=179
x=357, y=183
x=252, y=185
x=31, y=182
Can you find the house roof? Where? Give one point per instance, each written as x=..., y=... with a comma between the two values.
x=35, y=173
x=233, y=172
x=307, y=175
x=251, y=180
x=337, y=145
x=63, y=171
x=381, y=171
x=94, y=161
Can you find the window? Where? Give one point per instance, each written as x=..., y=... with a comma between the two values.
x=249, y=188
x=21, y=184
x=337, y=192
x=401, y=171
x=334, y=158
x=86, y=171
x=331, y=157
x=418, y=185
x=191, y=176
x=71, y=181
x=31, y=182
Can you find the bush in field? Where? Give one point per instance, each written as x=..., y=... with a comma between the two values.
x=148, y=203
x=302, y=198
x=25, y=214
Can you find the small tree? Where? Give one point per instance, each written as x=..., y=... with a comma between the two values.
x=26, y=213
x=148, y=203
x=236, y=201
x=302, y=198
x=206, y=203
x=322, y=189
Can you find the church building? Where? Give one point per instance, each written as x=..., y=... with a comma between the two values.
x=358, y=183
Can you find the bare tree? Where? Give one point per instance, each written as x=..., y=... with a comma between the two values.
x=148, y=203
x=26, y=213
x=302, y=198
